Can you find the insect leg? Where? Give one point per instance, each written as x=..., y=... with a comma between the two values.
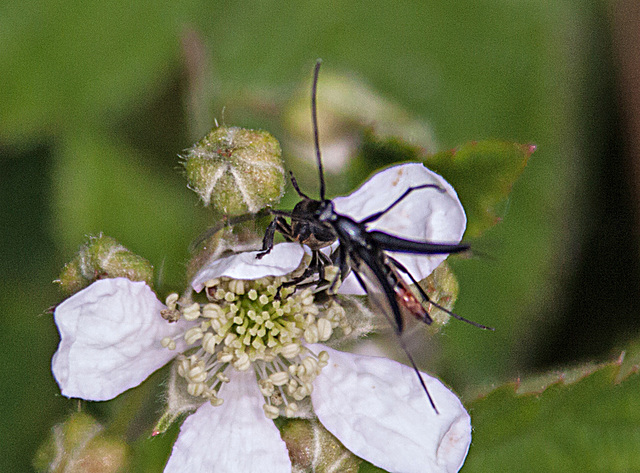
x=398, y=332
x=341, y=259
x=297, y=189
x=377, y=215
x=318, y=261
x=279, y=224
x=426, y=298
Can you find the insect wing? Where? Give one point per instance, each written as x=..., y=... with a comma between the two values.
x=372, y=274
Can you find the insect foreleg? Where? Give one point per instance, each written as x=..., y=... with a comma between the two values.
x=279, y=224
x=377, y=215
x=343, y=265
x=297, y=189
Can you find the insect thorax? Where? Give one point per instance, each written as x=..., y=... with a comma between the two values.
x=309, y=230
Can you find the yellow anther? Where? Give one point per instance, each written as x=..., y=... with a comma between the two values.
x=224, y=357
x=196, y=389
x=272, y=412
x=212, y=311
x=311, y=334
x=310, y=365
x=324, y=329
x=193, y=335
x=280, y=378
x=291, y=409
x=171, y=300
x=290, y=350
x=242, y=363
x=211, y=283
x=192, y=312
x=323, y=356
x=209, y=343
x=216, y=401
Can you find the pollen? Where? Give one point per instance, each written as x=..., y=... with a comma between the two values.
x=263, y=325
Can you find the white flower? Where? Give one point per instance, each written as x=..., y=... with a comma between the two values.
x=424, y=215
x=113, y=336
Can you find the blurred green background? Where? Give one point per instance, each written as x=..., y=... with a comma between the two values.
x=97, y=101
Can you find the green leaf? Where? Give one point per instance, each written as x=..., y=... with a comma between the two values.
x=483, y=174
x=582, y=420
x=66, y=63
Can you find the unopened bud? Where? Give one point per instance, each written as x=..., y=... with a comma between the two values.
x=236, y=170
x=312, y=448
x=79, y=445
x=103, y=257
x=442, y=288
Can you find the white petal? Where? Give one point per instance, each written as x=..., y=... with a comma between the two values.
x=283, y=259
x=233, y=437
x=378, y=410
x=424, y=215
x=110, y=336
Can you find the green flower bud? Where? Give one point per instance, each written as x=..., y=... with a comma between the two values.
x=236, y=170
x=312, y=448
x=442, y=287
x=103, y=257
x=78, y=445
x=71, y=278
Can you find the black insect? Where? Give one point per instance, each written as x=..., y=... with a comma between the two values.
x=363, y=252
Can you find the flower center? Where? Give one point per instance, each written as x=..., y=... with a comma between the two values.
x=260, y=324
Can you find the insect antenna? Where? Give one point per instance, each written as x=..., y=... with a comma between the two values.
x=314, y=117
x=225, y=222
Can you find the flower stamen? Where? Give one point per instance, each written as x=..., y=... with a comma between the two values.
x=260, y=324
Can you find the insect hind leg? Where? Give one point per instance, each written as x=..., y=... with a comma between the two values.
x=427, y=299
x=398, y=332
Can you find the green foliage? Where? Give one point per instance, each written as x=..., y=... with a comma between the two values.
x=584, y=420
x=482, y=173
x=92, y=121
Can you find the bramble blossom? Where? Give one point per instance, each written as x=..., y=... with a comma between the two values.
x=254, y=351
